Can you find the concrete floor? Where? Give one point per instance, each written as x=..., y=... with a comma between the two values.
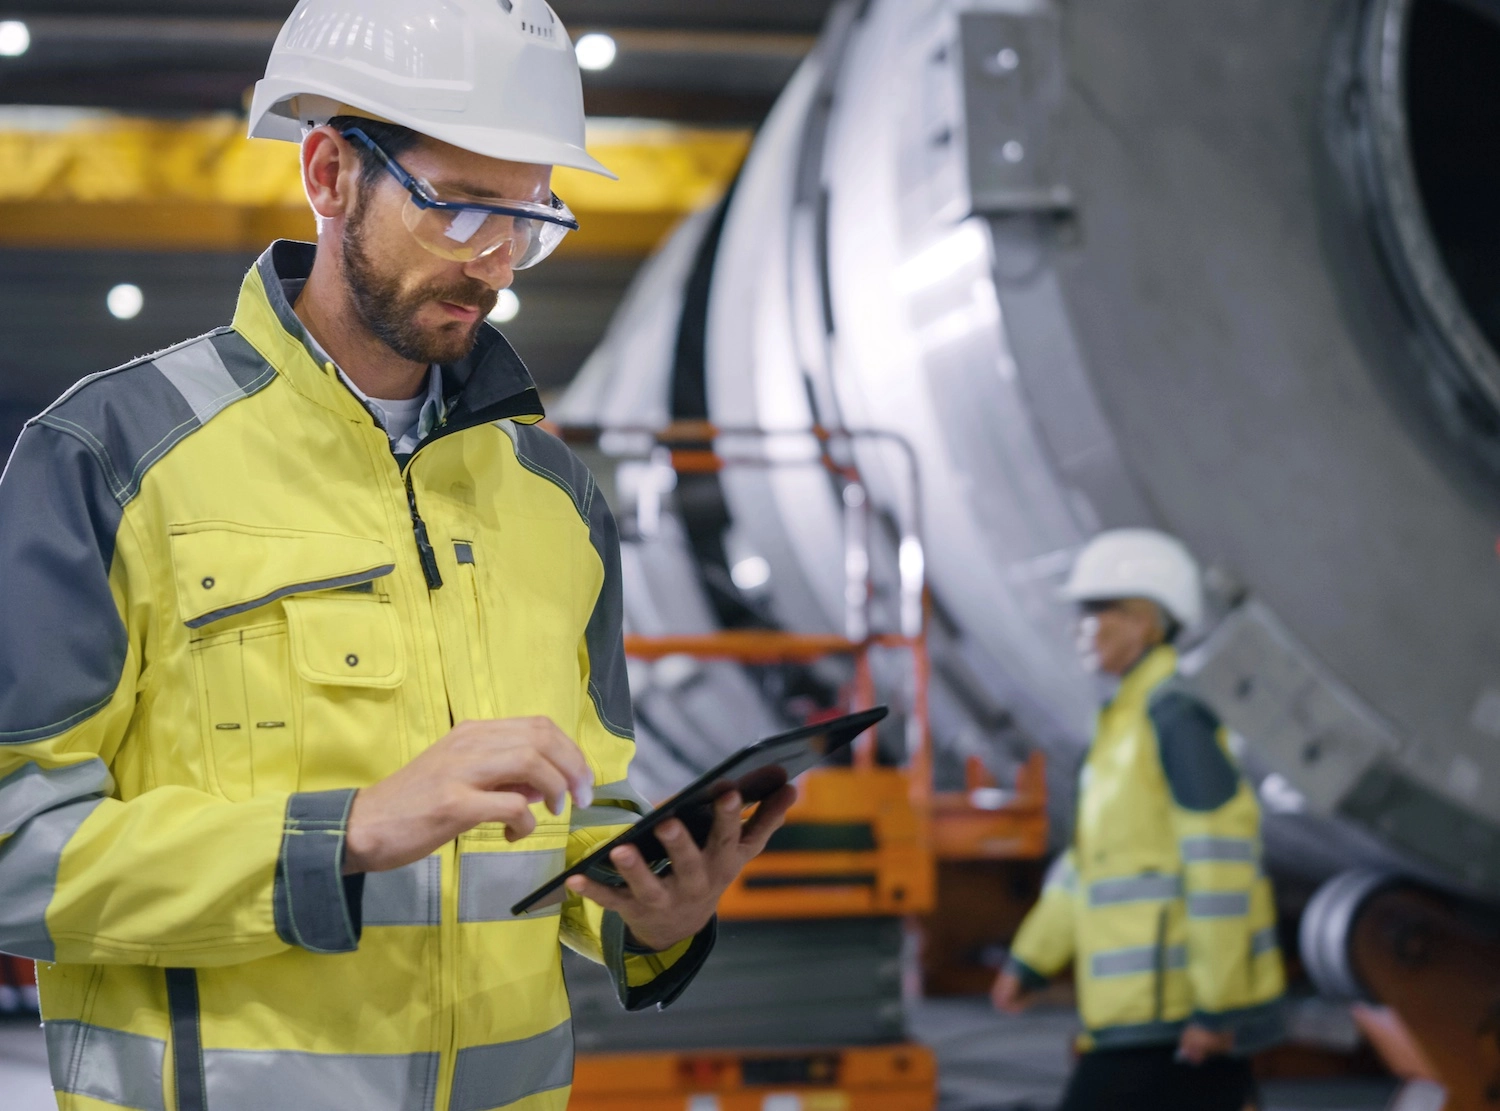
x=988, y=1062
x=994, y=1062
x=24, y=1082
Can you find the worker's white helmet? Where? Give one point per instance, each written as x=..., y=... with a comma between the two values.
x=495, y=77
x=1139, y=563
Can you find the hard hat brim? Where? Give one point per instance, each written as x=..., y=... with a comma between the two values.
x=270, y=118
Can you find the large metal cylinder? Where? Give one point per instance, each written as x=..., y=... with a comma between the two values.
x=1226, y=269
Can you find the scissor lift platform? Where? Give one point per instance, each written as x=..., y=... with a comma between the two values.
x=880, y=1078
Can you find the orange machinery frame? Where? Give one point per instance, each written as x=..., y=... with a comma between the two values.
x=912, y=828
x=877, y=1078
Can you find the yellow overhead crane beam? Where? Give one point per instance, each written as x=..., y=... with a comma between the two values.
x=120, y=183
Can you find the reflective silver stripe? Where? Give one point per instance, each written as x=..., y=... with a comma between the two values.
x=28, y=878
x=256, y=1080
x=1062, y=874
x=33, y=790
x=1218, y=850
x=409, y=896
x=491, y=1076
x=590, y=817
x=622, y=791
x=1134, y=889
x=201, y=377
x=108, y=1065
x=1263, y=941
x=489, y=884
x=1136, y=960
x=1219, y=904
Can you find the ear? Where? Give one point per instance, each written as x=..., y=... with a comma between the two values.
x=330, y=173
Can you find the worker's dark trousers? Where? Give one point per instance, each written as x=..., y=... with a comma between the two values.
x=1150, y=1078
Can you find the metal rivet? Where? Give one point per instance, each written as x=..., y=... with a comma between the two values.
x=1008, y=59
x=352, y=660
x=208, y=583
x=228, y=725
x=270, y=725
x=1013, y=151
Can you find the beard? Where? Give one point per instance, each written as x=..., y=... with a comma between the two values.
x=390, y=312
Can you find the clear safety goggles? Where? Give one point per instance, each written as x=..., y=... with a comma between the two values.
x=463, y=231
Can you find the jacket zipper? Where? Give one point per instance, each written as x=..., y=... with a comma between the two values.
x=448, y=943
x=428, y=557
x=1161, y=963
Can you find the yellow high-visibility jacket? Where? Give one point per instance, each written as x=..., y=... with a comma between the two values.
x=226, y=606
x=1161, y=904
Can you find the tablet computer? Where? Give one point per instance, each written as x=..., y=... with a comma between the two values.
x=756, y=773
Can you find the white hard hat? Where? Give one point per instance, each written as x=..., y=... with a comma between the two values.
x=495, y=77
x=1139, y=563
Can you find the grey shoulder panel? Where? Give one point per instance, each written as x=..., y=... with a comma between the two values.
x=609, y=686
x=63, y=644
x=130, y=417
x=63, y=495
x=1200, y=774
x=545, y=455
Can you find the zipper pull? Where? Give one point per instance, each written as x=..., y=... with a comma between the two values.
x=424, y=545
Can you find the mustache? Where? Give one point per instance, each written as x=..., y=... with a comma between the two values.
x=469, y=293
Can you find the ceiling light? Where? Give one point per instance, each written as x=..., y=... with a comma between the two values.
x=15, y=38
x=125, y=301
x=596, y=51
x=751, y=573
x=507, y=306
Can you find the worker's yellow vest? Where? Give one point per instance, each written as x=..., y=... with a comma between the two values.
x=227, y=605
x=1162, y=908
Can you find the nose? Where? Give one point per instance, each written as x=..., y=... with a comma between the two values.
x=494, y=269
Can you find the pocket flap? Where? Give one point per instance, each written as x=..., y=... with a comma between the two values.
x=223, y=569
x=346, y=642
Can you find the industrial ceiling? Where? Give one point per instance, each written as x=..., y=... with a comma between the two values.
x=719, y=61
x=121, y=203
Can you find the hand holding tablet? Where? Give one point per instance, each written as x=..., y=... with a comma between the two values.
x=755, y=773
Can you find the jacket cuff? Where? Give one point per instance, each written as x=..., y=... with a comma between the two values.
x=1030, y=978
x=1254, y=1028
x=672, y=976
x=318, y=908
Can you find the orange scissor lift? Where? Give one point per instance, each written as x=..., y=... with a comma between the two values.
x=912, y=828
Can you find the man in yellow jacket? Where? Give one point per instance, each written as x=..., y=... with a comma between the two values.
x=1160, y=905
x=312, y=661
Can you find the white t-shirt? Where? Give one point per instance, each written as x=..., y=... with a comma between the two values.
x=405, y=421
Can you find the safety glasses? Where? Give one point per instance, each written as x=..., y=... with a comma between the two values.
x=464, y=231
x=1095, y=607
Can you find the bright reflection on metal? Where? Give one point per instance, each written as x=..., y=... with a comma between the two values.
x=1280, y=797
x=981, y=313
x=15, y=38
x=751, y=573
x=856, y=562
x=651, y=483
x=507, y=307
x=912, y=561
x=963, y=246
x=596, y=51
x=125, y=301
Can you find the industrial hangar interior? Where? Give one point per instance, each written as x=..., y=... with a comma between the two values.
x=1109, y=390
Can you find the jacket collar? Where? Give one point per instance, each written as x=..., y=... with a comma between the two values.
x=491, y=384
x=1154, y=669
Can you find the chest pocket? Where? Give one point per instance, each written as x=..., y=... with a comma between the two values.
x=296, y=654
